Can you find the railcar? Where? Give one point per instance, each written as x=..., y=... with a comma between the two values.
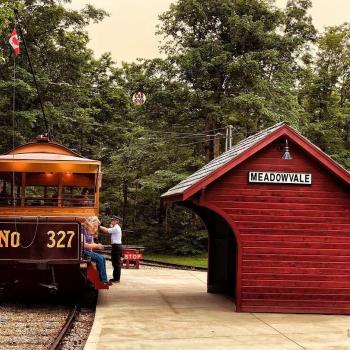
x=46, y=190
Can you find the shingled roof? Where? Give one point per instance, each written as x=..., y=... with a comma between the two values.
x=224, y=158
x=190, y=184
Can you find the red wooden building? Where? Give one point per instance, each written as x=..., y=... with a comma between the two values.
x=277, y=212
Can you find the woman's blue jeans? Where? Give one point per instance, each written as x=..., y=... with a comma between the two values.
x=100, y=261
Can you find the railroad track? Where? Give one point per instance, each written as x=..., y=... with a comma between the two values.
x=44, y=326
x=55, y=345
x=154, y=263
x=31, y=326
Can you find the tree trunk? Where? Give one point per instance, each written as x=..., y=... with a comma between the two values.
x=210, y=144
x=125, y=200
x=217, y=145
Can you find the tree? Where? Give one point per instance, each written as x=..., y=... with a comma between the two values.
x=147, y=155
x=237, y=56
x=239, y=62
x=325, y=94
x=57, y=39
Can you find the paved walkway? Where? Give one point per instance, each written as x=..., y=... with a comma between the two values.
x=163, y=309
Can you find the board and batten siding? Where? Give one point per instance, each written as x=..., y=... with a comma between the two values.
x=295, y=239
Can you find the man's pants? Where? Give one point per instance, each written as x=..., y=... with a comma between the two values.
x=100, y=262
x=116, y=262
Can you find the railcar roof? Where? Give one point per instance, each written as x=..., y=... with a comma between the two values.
x=45, y=157
x=241, y=151
x=41, y=149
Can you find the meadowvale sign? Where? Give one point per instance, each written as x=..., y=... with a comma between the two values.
x=280, y=178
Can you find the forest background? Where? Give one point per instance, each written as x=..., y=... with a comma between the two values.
x=244, y=63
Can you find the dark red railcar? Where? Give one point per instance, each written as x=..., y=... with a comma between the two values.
x=277, y=212
x=45, y=191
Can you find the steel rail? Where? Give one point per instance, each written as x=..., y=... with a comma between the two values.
x=69, y=321
x=155, y=263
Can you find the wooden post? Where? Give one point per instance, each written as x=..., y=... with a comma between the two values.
x=45, y=196
x=217, y=144
x=23, y=189
x=12, y=189
x=18, y=193
x=60, y=178
x=230, y=136
x=97, y=191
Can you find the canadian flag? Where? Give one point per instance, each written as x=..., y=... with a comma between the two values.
x=14, y=41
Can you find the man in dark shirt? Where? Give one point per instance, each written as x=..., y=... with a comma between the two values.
x=116, y=240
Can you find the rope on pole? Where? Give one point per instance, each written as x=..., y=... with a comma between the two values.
x=33, y=74
x=13, y=127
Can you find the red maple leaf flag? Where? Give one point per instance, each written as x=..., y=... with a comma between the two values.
x=14, y=41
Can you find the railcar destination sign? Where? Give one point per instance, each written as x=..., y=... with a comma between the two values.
x=280, y=178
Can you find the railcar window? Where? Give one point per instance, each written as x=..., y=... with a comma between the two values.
x=9, y=189
x=41, y=196
x=4, y=194
x=78, y=197
x=47, y=189
x=40, y=189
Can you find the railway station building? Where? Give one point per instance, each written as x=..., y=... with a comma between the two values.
x=276, y=208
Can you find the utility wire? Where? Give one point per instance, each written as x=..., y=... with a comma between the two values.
x=169, y=132
x=181, y=133
x=173, y=134
x=184, y=138
x=197, y=143
x=181, y=137
x=186, y=133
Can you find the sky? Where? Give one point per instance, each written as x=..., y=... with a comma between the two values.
x=129, y=32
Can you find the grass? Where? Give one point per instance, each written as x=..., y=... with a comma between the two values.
x=195, y=261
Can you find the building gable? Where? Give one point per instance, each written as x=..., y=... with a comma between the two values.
x=242, y=151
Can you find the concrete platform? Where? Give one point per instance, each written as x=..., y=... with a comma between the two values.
x=170, y=309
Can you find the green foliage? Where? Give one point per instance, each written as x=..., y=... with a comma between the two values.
x=188, y=242
x=325, y=94
x=195, y=261
x=239, y=62
x=56, y=39
x=237, y=55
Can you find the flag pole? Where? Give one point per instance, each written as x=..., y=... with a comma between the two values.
x=33, y=74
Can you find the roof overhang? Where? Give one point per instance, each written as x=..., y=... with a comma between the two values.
x=60, y=167
x=46, y=156
x=37, y=162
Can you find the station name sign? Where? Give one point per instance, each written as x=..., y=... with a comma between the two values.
x=280, y=178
